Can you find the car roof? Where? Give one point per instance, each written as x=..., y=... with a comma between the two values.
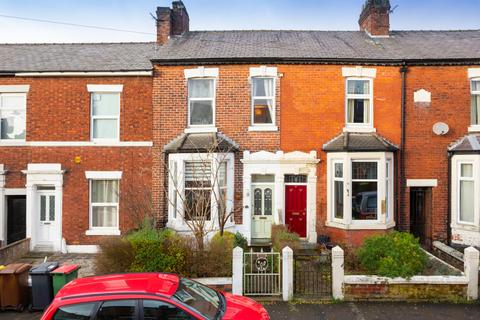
x=133, y=283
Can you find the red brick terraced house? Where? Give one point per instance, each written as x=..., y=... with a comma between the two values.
x=76, y=141
x=332, y=133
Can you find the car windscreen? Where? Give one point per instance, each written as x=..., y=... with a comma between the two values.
x=199, y=298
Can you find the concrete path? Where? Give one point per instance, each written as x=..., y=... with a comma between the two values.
x=348, y=311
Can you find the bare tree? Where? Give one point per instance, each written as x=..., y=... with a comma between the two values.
x=201, y=195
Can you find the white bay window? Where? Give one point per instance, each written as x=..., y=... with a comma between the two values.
x=465, y=199
x=200, y=187
x=360, y=190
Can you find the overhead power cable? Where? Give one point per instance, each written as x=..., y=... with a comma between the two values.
x=75, y=24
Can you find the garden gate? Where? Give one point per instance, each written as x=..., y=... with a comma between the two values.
x=313, y=275
x=262, y=274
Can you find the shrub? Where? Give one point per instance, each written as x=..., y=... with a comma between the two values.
x=397, y=254
x=115, y=256
x=157, y=251
x=240, y=241
x=228, y=239
x=282, y=238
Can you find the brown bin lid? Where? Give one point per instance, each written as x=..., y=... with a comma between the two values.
x=16, y=268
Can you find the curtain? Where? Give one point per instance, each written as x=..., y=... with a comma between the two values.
x=269, y=92
x=200, y=88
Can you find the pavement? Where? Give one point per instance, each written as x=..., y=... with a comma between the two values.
x=346, y=310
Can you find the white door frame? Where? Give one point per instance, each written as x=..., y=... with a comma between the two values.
x=280, y=164
x=44, y=175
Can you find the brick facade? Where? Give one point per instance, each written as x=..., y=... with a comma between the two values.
x=58, y=109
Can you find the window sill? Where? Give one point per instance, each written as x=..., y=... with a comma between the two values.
x=363, y=226
x=474, y=128
x=201, y=130
x=360, y=129
x=263, y=128
x=465, y=226
x=104, y=232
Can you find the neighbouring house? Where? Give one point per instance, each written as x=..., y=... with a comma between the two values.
x=333, y=133
x=76, y=141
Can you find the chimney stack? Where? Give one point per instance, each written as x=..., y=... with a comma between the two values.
x=375, y=18
x=172, y=21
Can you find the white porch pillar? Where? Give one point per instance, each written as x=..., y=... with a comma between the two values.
x=338, y=273
x=279, y=213
x=471, y=263
x=30, y=214
x=237, y=271
x=59, y=215
x=3, y=217
x=312, y=206
x=287, y=273
x=247, y=204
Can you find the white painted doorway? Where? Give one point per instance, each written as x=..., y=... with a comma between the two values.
x=47, y=220
x=263, y=206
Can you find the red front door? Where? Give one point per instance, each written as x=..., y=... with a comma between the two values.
x=296, y=209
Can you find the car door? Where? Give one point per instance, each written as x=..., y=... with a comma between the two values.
x=126, y=309
x=163, y=310
x=80, y=311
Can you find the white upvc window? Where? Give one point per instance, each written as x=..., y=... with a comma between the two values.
x=199, y=181
x=360, y=190
x=359, y=103
x=13, y=116
x=475, y=92
x=201, y=102
x=104, y=198
x=263, y=101
x=466, y=193
x=105, y=116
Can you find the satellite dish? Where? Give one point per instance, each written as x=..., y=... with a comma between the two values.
x=440, y=128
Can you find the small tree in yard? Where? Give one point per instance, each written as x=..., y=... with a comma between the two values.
x=200, y=196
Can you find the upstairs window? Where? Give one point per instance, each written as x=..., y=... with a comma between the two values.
x=359, y=102
x=475, y=102
x=263, y=101
x=201, y=102
x=105, y=112
x=13, y=116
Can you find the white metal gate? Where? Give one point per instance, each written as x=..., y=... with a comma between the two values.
x=262, y=274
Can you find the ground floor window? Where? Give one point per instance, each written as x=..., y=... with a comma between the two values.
x=360, y=189
x=200, y=187
x=466, y=193
x=104, y=195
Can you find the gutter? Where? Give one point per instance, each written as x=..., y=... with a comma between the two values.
x=401, y=206
x=312, y=60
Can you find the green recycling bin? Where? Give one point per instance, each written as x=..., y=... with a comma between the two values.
x=63, y=275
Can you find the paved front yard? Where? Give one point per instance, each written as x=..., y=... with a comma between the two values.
x=348, y=311
x=85, y=261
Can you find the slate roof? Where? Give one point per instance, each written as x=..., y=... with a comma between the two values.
x=333, y=45
x=201, y=142
x=270, y=46
x=76, y=57
x=469, y=143
x=359, y=142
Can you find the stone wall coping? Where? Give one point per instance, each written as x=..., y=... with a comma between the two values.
x=366, y=280
x=448, y=250
x=214, y=281
x=14, y=244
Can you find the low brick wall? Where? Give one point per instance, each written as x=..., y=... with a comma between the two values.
x=221, y=284
x=14, y=251
x=441, y=288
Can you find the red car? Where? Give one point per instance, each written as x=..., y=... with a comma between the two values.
x=148, y=296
